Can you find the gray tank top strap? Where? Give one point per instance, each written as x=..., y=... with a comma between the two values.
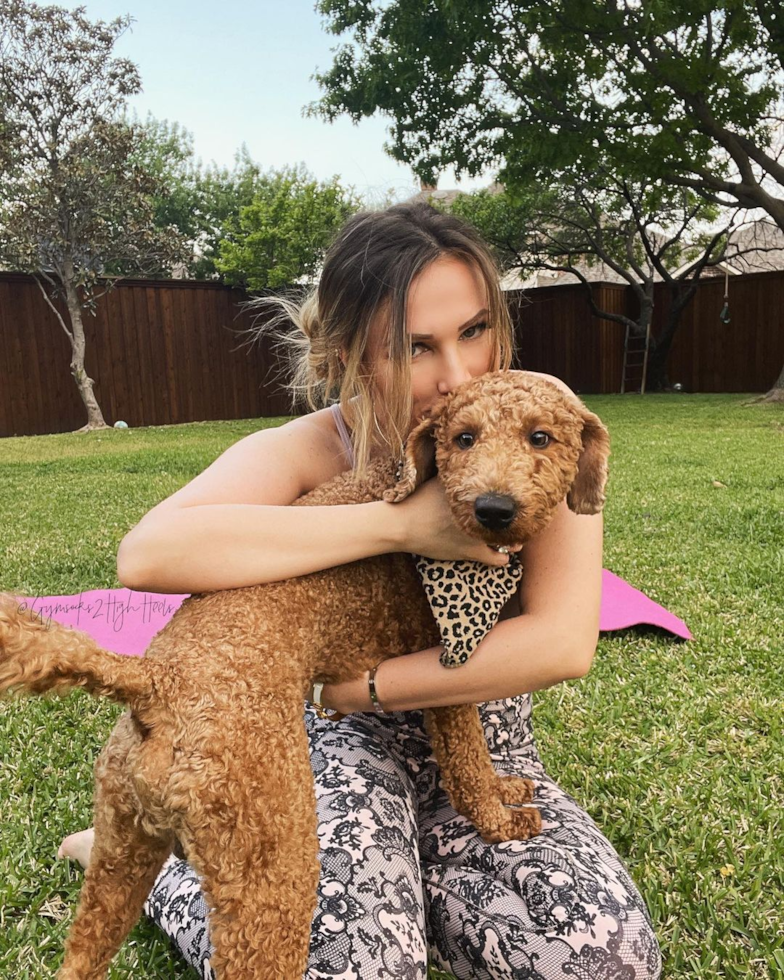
x=340, y=425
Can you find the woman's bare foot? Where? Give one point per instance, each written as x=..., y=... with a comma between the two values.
x=78, y=846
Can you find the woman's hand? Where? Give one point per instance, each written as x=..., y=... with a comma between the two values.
x=429, y=529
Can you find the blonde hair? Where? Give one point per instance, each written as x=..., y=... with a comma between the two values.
x=367, y=273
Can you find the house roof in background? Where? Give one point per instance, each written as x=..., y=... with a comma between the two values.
x=762, y=241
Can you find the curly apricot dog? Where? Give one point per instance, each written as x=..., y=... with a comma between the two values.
x=213, y=750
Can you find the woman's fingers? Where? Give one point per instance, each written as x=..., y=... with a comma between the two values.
x=500, y=558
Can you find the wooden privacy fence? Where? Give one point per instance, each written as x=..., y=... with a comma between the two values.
x=168, y=352
x=160, y=353
x=557, y=334
x=745, y=354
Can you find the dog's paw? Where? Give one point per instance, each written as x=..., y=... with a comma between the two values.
x=519, y=824
x=396, y=494
x=526, y=823
x=514, y=790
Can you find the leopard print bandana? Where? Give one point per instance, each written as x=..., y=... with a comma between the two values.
x=466, y=598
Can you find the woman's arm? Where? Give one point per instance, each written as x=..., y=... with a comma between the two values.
x=231, y=526
x=229, y=546
x=553, y=640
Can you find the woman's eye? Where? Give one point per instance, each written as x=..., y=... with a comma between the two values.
x=470, y=333
x=481, y=327
x=465, y=440
x=539, y=439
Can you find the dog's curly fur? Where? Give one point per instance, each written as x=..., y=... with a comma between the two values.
x=213, y=751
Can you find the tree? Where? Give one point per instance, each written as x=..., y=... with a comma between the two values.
x=165, y=153
x=207, y=204
x=76, y=208
x=281, y=236
x=202, y=202
x=224, y=193
x=683, y=92
x=642, y=232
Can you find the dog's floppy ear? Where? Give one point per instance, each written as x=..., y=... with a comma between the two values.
x=586, y=495
x=419, y=461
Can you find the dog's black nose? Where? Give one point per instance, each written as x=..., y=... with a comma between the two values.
x=495, y=511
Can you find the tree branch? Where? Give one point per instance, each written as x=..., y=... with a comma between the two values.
x=54, y=309
x=602, y=314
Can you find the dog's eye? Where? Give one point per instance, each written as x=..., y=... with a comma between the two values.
x=465, y=440
x=539, y=439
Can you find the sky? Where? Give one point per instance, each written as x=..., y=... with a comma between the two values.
x=240, y=71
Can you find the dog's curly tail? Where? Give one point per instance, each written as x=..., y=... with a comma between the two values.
x=37, y=656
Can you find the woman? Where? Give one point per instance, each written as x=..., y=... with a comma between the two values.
x=408, y=306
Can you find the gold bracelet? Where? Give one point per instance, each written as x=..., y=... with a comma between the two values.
x=373, y=693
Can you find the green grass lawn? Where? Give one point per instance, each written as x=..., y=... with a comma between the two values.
x=674, y=748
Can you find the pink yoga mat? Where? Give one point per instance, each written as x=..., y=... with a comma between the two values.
x=125, y=621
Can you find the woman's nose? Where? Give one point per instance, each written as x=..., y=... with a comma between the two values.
x=454, y=373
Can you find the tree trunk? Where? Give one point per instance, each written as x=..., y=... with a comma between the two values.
x=681, y=294
x=778, y=387
x=656, y=376
x=95, y=419
x=776, y=393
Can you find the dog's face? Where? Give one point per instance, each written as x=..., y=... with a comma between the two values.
x=508, y=448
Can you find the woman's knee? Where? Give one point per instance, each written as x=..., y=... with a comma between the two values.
x=631, y=953
x=483, y=929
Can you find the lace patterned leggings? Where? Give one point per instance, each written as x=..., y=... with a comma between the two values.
x=405, y=879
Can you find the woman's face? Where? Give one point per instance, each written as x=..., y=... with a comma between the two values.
x=446, y=323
